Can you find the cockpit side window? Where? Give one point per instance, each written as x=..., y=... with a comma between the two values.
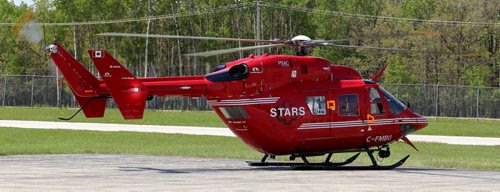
x=376, y=106
x=348, y=105
x=395, y=105
x=234, y=112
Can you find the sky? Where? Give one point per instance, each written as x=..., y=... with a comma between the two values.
x=18, y=2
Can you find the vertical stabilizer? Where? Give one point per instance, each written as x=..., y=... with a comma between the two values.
x=83, y=84
x=127, y=91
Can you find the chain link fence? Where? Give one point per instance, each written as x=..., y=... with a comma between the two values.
x=426, y=99
x=449, y=100
x=49, y=91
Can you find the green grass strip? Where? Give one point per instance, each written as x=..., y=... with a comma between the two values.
x=151, y=117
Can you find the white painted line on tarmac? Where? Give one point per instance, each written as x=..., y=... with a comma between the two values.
x=117, y=127
x=455, y=140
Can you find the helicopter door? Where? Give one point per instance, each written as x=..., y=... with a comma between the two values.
x=314, y=132
x=376, y=110
x=347, y=114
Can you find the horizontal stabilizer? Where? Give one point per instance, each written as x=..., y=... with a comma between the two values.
x=127, y=91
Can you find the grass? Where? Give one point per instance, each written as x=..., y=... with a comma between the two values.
x=440, y=126
x=14, y=141
x=151, y=117
x=462, y=127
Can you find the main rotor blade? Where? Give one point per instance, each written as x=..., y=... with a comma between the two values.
x=365, y=47
x=331, y=41
x=113, y=34
x=403, y=50
x=223, y=51
x=325, y=42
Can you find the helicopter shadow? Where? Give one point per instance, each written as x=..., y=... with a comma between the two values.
x=440, y=172
x=200, y=170
x=456, y=173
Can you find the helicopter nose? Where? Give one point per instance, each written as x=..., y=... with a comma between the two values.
x=414, y=122
x=421, y=122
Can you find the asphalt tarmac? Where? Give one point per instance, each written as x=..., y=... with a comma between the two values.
x=150, y=173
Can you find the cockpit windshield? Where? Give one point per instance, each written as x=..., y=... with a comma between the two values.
x=395, y=104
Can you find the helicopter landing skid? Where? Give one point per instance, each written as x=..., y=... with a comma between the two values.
x=306, y=165
x=327, y=162
x=372, y=167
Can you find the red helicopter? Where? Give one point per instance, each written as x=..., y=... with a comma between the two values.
x=294, y=105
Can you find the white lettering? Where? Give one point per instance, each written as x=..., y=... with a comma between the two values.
x=273, y=112
x=287, y=112
x=284, y=63
x=291, y=111
x=302, y=111
x=379, y=138
x=281, y=111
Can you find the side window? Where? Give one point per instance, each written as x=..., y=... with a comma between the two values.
x=376, y=106
x=348, y=105
x=316, y=105
x=234, y=112
x=395, y=105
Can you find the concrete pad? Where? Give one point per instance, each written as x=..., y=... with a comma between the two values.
x=150, y=173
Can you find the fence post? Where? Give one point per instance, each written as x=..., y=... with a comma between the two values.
x=32, y=86
x=397, y=89
x=4, y=89
x=477, y=104
x=58, y=94
x=437, y=100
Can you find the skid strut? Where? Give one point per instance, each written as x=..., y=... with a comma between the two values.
x=263, y=163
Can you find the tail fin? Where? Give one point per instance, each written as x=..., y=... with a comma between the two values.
x=127, y=91
x=83, y=84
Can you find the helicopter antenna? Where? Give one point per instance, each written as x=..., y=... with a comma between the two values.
x=379, y=74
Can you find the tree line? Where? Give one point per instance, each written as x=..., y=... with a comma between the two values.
x=447, y=42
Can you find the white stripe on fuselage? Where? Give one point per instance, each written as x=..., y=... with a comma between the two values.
x=241, y=102
x=358, y=123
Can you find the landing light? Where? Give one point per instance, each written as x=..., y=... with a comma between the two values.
x=132, y=90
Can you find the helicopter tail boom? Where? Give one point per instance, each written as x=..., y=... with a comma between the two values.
x=129, y=92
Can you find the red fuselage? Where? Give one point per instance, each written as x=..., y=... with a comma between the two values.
x=284, y=104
